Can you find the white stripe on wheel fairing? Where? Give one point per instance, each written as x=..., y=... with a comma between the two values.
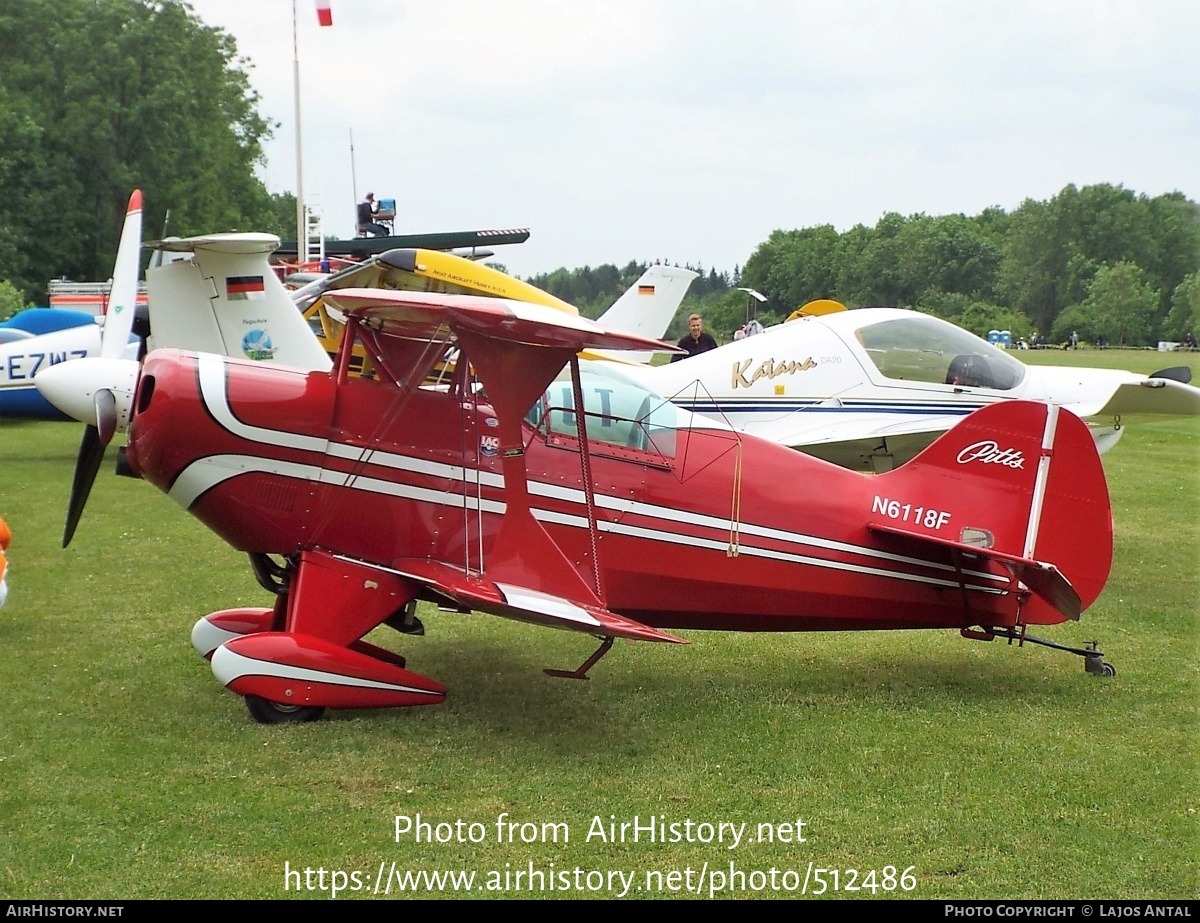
x=228, y=666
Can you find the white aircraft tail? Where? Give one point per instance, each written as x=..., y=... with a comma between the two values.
x=223, y=298
x=647, y=308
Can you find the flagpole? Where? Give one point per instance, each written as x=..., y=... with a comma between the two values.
x=353, y=178
x=301, y=231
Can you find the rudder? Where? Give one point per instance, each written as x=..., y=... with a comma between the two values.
x=1025, y=482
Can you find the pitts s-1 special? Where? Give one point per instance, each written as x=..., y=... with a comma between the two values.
x=489, y=490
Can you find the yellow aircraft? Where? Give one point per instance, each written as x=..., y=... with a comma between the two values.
x=645, y=309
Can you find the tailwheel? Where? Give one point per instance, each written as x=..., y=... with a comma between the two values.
x=264, y=711
x=1097, y=666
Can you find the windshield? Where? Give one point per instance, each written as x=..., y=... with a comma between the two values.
x=617, y=411
x=924, y=348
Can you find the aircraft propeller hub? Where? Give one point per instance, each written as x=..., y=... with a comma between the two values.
x=78, y=389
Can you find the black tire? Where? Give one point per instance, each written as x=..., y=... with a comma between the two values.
x=264, y=711
x=1108, y=670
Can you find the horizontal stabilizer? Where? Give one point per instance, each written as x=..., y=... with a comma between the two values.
x=245, y=243
x=526, y=605
x=1044, y=579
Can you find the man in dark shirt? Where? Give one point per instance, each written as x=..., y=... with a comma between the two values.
x=696, y=342
x=367, y=226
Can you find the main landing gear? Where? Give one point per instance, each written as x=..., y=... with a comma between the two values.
x=1093, y=659
x=306, y=654
x=264, y=711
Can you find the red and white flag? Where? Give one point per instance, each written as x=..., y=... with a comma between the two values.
x=324, y=13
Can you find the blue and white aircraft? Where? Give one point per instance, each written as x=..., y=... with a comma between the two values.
x=32, y=341
x=40, y=338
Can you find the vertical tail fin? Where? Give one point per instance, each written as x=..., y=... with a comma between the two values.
x=649, y=305
x=1028, y=490
x=226, y=300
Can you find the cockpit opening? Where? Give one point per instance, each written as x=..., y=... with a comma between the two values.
x=928, y=349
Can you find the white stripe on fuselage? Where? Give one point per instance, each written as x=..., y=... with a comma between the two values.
x=214, y=393
x=621, y=505
x=206, y=473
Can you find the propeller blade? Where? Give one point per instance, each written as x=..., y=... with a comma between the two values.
x=122, y=301
x=91, y=454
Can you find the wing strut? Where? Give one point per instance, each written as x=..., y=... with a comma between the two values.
x=514, y=376
x=585, y=464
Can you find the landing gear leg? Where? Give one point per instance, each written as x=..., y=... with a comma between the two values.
x=405, y=620
x=581, y=672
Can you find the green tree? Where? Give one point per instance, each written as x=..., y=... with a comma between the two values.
x=1055, y=249
x=1121, y=305
x=981, y=318
x=11, y=300
x=592, y=291
x=1075, y=319
x=102, y=96
x=279, y=216
x=794, y=267
x=1185, y=308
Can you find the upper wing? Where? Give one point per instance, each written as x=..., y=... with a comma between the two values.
x=421, y=315
x=515, y=350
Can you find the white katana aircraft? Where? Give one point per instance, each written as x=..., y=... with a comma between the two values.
x=868, y=389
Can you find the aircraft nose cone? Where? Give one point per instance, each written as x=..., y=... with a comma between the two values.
x=72, y=386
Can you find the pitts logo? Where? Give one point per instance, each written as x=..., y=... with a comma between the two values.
x=989, y=453
x=768, y=369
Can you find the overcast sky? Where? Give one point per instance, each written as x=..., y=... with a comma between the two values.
x=688, y=131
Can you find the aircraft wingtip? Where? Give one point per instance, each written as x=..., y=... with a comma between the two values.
x=135, y=202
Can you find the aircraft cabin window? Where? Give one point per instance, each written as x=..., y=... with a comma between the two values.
x=924, y=348
x=618, y=412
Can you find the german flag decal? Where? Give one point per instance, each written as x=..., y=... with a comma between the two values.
x=645, y=289
x=244, y=288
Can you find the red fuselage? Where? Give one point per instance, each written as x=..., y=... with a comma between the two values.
x=717, y=531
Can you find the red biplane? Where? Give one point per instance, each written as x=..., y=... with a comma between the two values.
x=533, y=486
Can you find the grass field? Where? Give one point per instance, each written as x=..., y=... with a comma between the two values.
x=985, y=770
